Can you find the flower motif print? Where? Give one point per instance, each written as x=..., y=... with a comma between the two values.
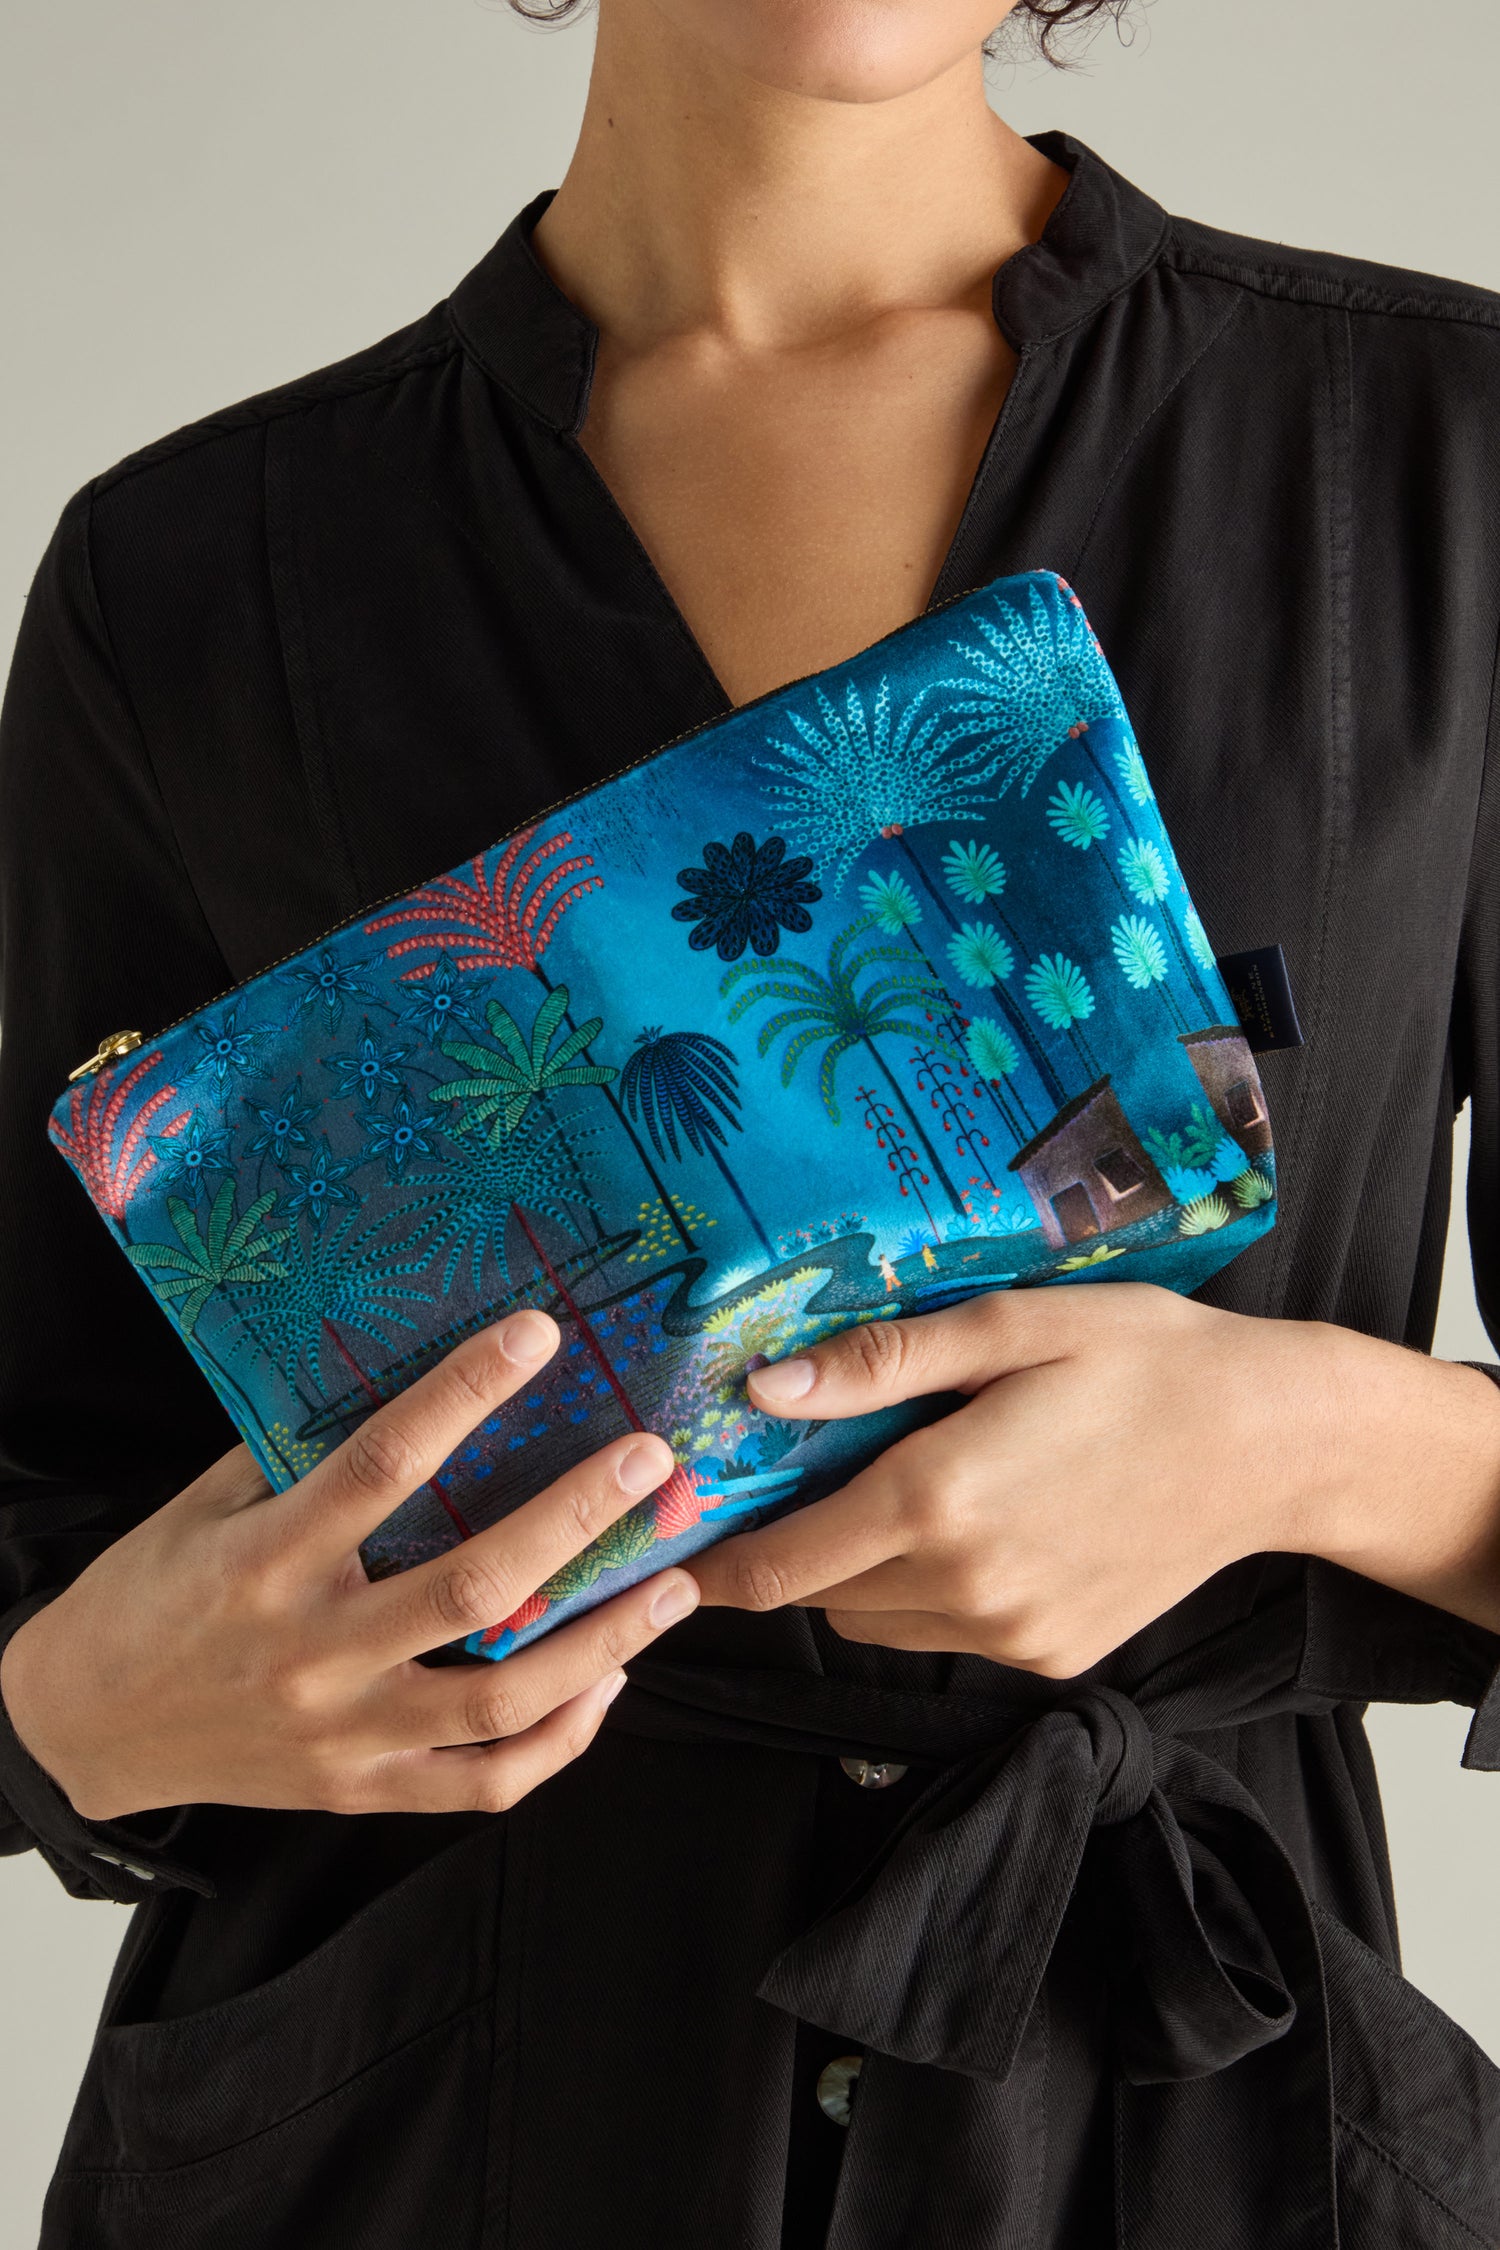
x=442, y=1003
x=187, y=1156
x=745, y=894
x=225, y=1048
x=370, y=1068
x=319, y=1185
x=400, y=1135
x=329, y=983
x=282, y=1127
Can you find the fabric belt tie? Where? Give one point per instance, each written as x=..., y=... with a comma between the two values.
x=937, y=1953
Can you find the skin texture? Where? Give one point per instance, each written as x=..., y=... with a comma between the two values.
x=784, y=216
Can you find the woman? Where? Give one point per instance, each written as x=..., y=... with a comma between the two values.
x=1022, y=1787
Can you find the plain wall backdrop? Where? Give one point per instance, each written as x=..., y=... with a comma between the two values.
x=202, y=198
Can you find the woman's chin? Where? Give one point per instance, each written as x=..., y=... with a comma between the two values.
x=850, y=51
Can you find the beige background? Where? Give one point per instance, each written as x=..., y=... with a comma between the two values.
x=200, y=198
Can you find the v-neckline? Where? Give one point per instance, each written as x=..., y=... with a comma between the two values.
x=512, y=318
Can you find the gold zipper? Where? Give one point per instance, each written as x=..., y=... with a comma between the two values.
x=120, y=1043
x=109, y=1050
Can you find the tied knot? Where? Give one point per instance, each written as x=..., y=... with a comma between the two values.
x=1124, y=1752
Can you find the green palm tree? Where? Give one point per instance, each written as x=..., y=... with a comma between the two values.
x=508, y=1077
x=1148, y=881
x=829, y=1009
x=1142, y=960
x=187, y=1272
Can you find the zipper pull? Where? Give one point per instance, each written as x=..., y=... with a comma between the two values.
x=109, y=1050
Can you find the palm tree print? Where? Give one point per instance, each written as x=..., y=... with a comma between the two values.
x=974, y=872
x=187, y=1272
x=113, y=1156
x=686, y=1079
x=1147, y=880
x=1142, y=959
x=463, y=1208
x=502, y=920
x=1078, y=815
x=980, y=955
x=996, y=1059
x=829, y=1010
x=338, y=1272
x=854, y=773
x=1027, y=678
x=1063, y=997
x=507, y=1078
x=891, y=903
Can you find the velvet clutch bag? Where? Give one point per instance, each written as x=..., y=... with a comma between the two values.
x=877, y=993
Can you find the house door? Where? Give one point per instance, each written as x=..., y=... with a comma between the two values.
x=1075, y=1213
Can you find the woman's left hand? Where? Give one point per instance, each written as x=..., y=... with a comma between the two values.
x=1118, y=1445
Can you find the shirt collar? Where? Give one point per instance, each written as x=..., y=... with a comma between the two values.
x=512, y=318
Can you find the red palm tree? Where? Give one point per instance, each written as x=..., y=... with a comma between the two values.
x=111, y=1163
x=503, y=921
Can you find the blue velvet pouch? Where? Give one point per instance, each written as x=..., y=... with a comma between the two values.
x=879, y=992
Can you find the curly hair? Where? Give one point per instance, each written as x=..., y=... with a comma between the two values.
x=1043, y=18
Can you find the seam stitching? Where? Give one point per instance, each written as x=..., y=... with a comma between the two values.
x=265, y=407
x=1140, y=430
x=1394, y=2164
x=1292, y=286
x=1312, y=1085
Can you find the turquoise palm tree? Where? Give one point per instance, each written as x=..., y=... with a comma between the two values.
x=1063, y=997
x=1148, y=880
x=1142, y=960
x=832, y=1010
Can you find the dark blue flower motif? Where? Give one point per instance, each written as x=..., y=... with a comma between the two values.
x=442, y=1002
x=745, y=895
x=187, y=1156
x=319, y=1185
x=396, y=1136
x=224, y=1048
x=369, y=1068
x=329, y=982
x=283, y=1126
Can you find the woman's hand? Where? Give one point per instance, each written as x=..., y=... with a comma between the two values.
x=1118, y=1446
x=230, y=1650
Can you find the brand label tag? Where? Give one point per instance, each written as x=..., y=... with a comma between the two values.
x=1262, y=994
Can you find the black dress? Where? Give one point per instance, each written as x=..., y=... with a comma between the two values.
x=1119, y=1953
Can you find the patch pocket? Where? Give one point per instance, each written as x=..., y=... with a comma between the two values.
x=294, y=2100
x=1418, y=2111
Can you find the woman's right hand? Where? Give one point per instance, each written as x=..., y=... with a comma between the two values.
x=230, y=1649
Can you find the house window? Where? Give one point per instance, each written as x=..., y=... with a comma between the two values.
x=1242, y=1101
x=1121, y=1173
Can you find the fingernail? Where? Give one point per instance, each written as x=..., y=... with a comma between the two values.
x=610, y=1688
x=674, y=1598
x=784, y=1380
x=528, y=1336
x=642, y=1470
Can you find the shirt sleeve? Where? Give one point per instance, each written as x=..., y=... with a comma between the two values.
x=103, y=1415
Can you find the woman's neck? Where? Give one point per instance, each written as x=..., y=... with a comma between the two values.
x=699, y=201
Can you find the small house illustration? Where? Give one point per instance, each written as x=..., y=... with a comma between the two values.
x=1086, y=1171
x=1226, y=1071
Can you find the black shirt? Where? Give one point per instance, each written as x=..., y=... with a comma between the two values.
x=309, y=651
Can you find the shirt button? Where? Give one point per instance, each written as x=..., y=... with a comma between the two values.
x=873, y=1773
x=113, y=1859
x=837, y=2082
